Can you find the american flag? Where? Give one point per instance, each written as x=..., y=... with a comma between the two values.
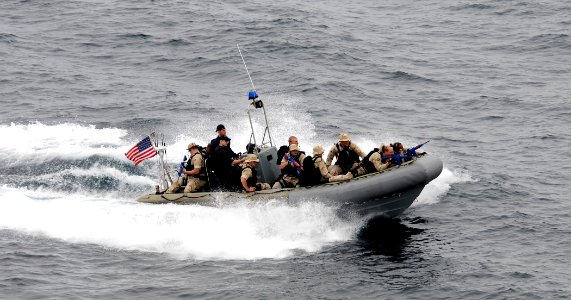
x=143, y=150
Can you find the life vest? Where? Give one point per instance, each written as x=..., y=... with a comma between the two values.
x=367, y=164
x=346, y=158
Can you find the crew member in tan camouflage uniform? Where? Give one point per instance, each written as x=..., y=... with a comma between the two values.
x=348, y=155
x=319, y=163
x=291, y=170
x=376, y=158
x=249, y=177
x=373, y=162
x=193, y=175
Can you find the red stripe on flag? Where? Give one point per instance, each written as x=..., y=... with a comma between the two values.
x=141, y=151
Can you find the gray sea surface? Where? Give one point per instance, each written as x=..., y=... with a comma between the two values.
x=487, y=82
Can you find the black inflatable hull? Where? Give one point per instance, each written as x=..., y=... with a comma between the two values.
x=387, y=193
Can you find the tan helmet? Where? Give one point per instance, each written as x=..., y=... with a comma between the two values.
x=251, y=158
x=293, y=147
x=344, y=137
x=318, y=150
x=192, y=145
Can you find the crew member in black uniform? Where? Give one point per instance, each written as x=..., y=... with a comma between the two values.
x=222, y=163
x=221, y=130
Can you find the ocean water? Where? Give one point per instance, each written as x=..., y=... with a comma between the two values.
x=487, y=82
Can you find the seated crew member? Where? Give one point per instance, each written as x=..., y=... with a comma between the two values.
x=314, y=171
x=291, y=166
x=193, y=175
x=375, y=161
x=251, y=148
x=223, y=160
x=249, y=177
x=208, y=150
x=386, y=156
x=348, y=155
x=371, y=163
x=285, y=149
x=221, y=130
x=399, y=149
x=320, y=164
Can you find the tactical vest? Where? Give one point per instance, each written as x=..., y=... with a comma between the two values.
x=292, y=171
x=189, y=167
x=252, y=181
x=367, y=164
x=311, y=175
x=346, y=158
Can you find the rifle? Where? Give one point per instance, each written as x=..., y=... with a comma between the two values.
x=398, y=157
x=298, y=168
x=181, y=167
x=412, y=151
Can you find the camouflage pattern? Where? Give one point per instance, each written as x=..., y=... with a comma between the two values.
x=190, y=183
x=375, y=158
x=348, y=176
x=247, y=173
x=320, y=165
x=335, y=170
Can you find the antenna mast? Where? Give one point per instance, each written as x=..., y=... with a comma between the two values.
x=253, y=95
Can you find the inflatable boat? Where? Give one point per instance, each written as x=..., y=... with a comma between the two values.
x=387, y=193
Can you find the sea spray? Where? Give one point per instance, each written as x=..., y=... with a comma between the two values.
x=437, y=188
x=269, y=229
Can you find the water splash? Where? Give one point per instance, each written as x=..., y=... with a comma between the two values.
x=437, y=188
x=110, y=216
x=266, y=230
x=40, y=142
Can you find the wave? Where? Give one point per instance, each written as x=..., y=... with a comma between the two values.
x=272, y=229
x=550, y=40
x=473, y=6
x=400, y=75
x=244, y=231
x=37, y=142
x=8, y=38
x=437, y=188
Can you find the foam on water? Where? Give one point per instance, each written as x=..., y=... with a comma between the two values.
x=437, y=188
x=42, y=142
x=266, y=230
x=100, y=171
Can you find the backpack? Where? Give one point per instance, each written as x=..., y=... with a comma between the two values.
x=369, y=167
x=310, y=175
x=281, y=152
